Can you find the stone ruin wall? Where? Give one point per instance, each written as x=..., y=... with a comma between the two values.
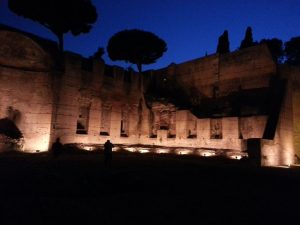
x=30, y=94
x=50, y=103
x=25, y=85
x=296, y=108
x=107, y=98
x=246, y=69
x=282, y=149
x=183, y=128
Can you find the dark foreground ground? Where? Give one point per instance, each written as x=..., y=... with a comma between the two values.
x=144, y=189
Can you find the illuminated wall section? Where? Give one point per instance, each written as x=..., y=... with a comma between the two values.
x=76, y=90
x=26, y=86
x=104, y=93
x=285, y=125
x=296, y=112
x=30, y=94
x=280, y=150
x=53, y=104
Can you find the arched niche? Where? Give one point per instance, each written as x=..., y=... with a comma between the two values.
x=22, y=52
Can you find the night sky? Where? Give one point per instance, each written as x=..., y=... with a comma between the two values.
x=190, y=27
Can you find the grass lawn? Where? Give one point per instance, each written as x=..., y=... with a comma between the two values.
x=144, y=189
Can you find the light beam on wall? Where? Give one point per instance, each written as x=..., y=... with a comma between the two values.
x=162, y=151
x=183, y=151
x=207, y=153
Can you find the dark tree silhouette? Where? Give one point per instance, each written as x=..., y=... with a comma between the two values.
x=276, y=48
x=292, y=51
x=223, y=43
x=59, y=16
x=248, y=40
x=136, y=46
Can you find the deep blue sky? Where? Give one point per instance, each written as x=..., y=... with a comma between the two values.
x=190, y=27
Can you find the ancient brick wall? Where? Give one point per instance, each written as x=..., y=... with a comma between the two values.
x=89, y=102
x=245, y=69
x=282, y=148
x=250, y=68
x=295, y=74
x=26, y=87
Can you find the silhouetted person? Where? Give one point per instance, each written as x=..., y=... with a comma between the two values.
x=56, y=147
x=108, y=146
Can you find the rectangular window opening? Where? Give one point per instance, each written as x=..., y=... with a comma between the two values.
x=105, y=119
x=83, y=120
x=216, y=129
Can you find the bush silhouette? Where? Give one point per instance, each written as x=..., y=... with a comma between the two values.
x=9, y=129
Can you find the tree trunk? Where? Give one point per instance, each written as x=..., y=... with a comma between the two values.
x=61, y=51
x=60, y=42
x=139, y=66
x=140, y=107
